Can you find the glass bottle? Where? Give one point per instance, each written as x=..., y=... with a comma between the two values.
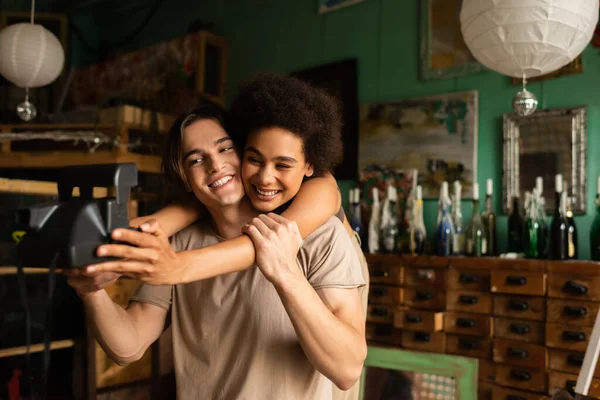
x=595, y=228
x=475, y=232
x=445, y=229
x=418, y=232
x=355, y=218
x=374, y=223
x=572, y=251
x=389, y=224
x=515, y=227
x=558, y=230
x=532, y=229
x=543, y=234
x=458, y=247
x=489, y=221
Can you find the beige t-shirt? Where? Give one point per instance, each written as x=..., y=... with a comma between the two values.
x=232, y=338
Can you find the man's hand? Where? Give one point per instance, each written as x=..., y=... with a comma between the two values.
x=89, y=283
x=277, y=241
x=153, y=260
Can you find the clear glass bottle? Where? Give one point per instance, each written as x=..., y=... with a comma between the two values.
x=489, y=221
x=374, y=223
x=475, y=233
x=445, y=229
x=418, y=237
x=356, y=218
x=572, y=249
x=458, y=247
x=389, y=223
x=544, y=233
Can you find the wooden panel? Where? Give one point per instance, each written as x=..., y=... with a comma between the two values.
x=429, y=261
x=487, y=369
x=523, y=330
x=426, y=341
x=502, y=393
x=518, y=282
x=381, y=294
x=380, y=313
x=531, y=379
x=568, y=361
x=521, y=307
x=468, y=324
x=417, y=320
x=572, y=311
x=424, y=277
x=469, y=346
x=568, y=337
x=466, y=279
x=517, y=353
x=467, y=301
x=574, y=286
x=584, y=268
x=562, y=380
x=484, y=391
x=428, y=299
x=385, y=268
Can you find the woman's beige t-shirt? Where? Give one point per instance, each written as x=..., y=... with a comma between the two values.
x=232, y=338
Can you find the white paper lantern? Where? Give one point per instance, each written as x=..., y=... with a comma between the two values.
x=30, y=55
x=527, y=38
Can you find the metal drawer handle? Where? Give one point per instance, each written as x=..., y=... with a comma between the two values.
x=518, y=305
x=384, y=330
x=413, y=318
x=572, y=311
x=575, y=360
x=575, y=288
x=379, y=311
x=516, y=280
x=573, y=336
x=422, y=337
x=468, y=344
x=468, y=299
x=424, y=296
x=516, y=352
x=520, y=329
x=570, y=386
x=465, y=322
x=514, y=397
x=379, y=291
x=379, y=273
x=520, y=375
x=466, y=278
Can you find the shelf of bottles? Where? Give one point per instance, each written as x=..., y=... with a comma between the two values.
x=529, y=234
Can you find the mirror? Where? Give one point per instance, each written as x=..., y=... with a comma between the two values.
x=547, y=143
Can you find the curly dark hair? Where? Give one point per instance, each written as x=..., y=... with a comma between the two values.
x=269, y=100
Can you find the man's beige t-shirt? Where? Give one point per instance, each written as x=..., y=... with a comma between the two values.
x=232, y=338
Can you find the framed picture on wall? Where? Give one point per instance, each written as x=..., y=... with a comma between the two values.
x=329, y=5
x=339, y=79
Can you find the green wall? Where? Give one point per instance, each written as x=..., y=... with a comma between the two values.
x=286, y=35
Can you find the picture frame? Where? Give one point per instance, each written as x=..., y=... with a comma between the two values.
x=463, y=370
x=340, y=80
x=443, y=52
x=325, y=6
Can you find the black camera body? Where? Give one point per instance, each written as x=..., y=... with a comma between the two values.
x=68, y=233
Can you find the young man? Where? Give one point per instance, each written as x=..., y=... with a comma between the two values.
x=300, y=321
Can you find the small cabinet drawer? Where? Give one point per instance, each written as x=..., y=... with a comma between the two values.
x=469, y=346
x=572, y=311
x=568, y=337
x=381, y=294
x=424, y=277
x=418, y=320
x=426, y=341
x=474, y=302
x=569, y=286
x=380, y=313
x=425, y=298
x=484, y=390
x=385, y=333
x=487, y=369
x=531, y=379
x=468, y=324
x=502, y=393
x=467, y=279
x=387, y=274
x=518, y=282
x=521, y=307
x=516, y=329
x=568, y=361
x=518, y=353
x=562, y=380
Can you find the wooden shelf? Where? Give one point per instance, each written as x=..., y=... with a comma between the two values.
x=36, y=348
x=28, y=271
x=21, y=186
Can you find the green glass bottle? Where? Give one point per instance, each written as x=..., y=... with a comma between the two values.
x=595, y=229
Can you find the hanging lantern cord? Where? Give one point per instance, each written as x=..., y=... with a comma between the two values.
x=32, y=10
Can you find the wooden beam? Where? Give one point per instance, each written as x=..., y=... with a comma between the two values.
x=27, y=271
x=36, y=348
x=42, y=188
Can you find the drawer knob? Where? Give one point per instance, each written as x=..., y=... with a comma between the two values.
x=413, y=318
x=465, y=322
x=572, y=336
x=570, y=386
x=516, y=280
x=422, y=337
x=575, y=311
x=516, y=352
x=467, y=278
x=518, y=305
x=520, y=375
x=379, y=273
x=424, y=296
x=575, y=288
x=514, y=397
x=468, y=344
x=379, y=311
x=520, y=329
x=577, y=361
x=379, y=291
x=468, y=299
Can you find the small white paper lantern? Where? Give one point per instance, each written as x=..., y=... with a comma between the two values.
x=30, y=55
